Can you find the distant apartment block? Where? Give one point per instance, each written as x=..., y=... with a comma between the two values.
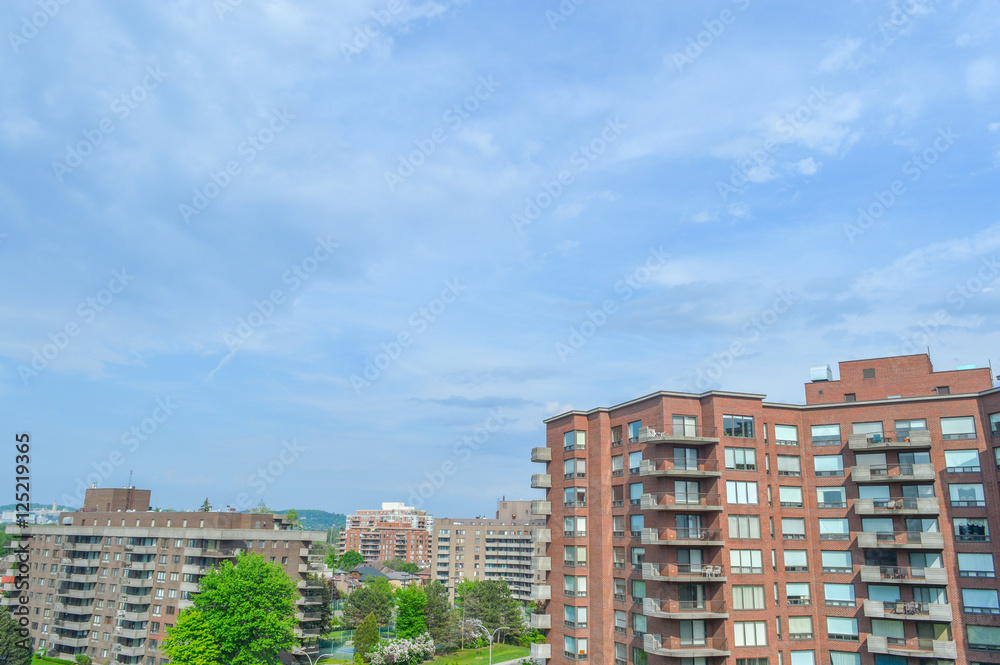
x=396, y=531
x=487, y=549
x=700, y=529
x=109, y=580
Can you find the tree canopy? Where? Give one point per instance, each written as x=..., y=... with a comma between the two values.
x=350, y=560
x=436, y=611
x=490, y=602
x=205, y=506
x=14, y=649
x=411, y=604
x=191, y=642
x=402, y=566
x=366, y=636
x=374, y=597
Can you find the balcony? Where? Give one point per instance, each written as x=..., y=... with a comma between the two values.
x=83, y=547
x=680, y=435
x=134, y=616
x=541, y=535
x=684, y=609
x=683, y=501
x=541, y=563
x=916, y=647
x=541, y=507
x=541, y=481
x=80, y=578
x=142, y=565
x=682, y=572
x=680, y=468
x=676, y=647
x=84, y=594
x=72, y=642
x=904, y=575
x=890, y=473
x=540, y=621
x=901, y=540
x=541, y=592
x=130, y=633
x=541, y=651
x=307, y=632
x=923, y=505
x=682, y=537
x=541, y=454
x=138, y=650
x=913, y=439
x=877, y=609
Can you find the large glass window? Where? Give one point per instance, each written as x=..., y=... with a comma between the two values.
x=638, y=589
x=741, y=459
x=636, y=523
x=790, y=497
x=575, y=497
x=634, y=461
x=575, y=646
x=793, y=528
x=904, y=427
x=738, y=426
x=575, y=586
x=958, y=428
x=975, y=565
x=685, y=425
x=575, y=526
x=633, y=431
x=748, y=597
x=575, y=617
x=744, y=526
x=868, y=428
x=575, y=555
x=828, y=465
x=797, y=593
x=746, y=562
x=836, y=562
x=846, y=658
x=634, y=493
x=885, y=593
x=841, y=628
x=834, y=529
x=796, y=561
x=741, y=491
x=980, y=601
x=890, y=629
x=617, y=465
x=971, y=530
x=789, y=465
x=967, y=495
x=803, y=658
x=839, y=595
x=575, y=440
x=575, y=468
x=800, y=628
x=825, y=435
x=750, y=633
x=961, y=461
x=995, y=425
x=786, y=435
x=831, y=497
x=984, y=638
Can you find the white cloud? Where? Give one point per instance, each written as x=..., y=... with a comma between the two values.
x=840, y=56
x=808, y=166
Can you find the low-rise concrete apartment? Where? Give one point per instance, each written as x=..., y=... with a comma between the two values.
x=109, y=580
x=855, y=529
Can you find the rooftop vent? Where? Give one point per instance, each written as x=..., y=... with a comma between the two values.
x=820, y=373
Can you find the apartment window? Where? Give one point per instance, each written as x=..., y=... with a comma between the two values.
x=741, y=491
x=621, y=653
x=744, y=526
x=961, y=461
x=750, y=661
x=796, y=561
x=575, y=497
x=621, y=622
x=748, y=597
x=850, y=397
x=831, y=497
x=636, y=523
x=575, y=440
x=790, y=497
x=746, y=562
x=842, y=628
x=575, y=647
x=971, y=530
x=738, y=426
x=872, y=429
x=575, y=617
x=967, y=495
x=995, y=425
x=638, y=557
x=638, y=589
x=980, y=601
x=836, y=562
x=572, y=526
x=839, y=595
x=958, y=428
x=634, y=493
x=638, y=624
x=741, y=459
x=984, y=638
x=634, y=461
x=834, y=529
x=975, y=565
x=575, y=586
x=798, y=593
x=617, y=465
x=616, y=436
x=828, y=465
x=800, y=628
x=575, y=468
x=825, y=435
x=793, y=528
x=750, y=633
x=633, y=431
x=161, y=576
x=789, y=465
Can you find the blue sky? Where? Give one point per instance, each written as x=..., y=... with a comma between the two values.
x=323, y=254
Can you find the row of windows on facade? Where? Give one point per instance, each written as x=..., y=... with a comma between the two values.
x=489, y=532
x=201, y=543
x=99, y=604
x=957, y=427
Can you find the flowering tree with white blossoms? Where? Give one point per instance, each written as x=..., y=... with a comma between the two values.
x=402, y=652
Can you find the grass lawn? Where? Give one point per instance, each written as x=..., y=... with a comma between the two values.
x=501, y=652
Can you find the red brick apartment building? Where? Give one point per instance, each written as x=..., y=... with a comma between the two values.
x=856, y=529
x=395, y=532
x=110, y=579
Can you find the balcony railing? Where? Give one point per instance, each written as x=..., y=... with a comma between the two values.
x=680, y=467
x=892, y=472
x=699, y=571
x=944, y=649
x=680, y=647
x=924, y=505
x=681, y=501
x=905, y=575
x=673, y=536
x=901, y=539
x=877, y=609
x=902, y=440
x=684, y=609
x=687, y=434
x=541, y=481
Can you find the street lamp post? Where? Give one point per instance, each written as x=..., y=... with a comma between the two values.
x=492, y=635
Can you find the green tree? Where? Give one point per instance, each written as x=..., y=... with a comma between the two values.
x=14, y=649
x=205, y=506
x=436, y=612
x=292, y=517
x=365, y=637
x=325, y=611
x=374, y=597
x=350, y=560
x=249, y=610
x=402, y=566
x=411, y=604
x=82, y=659
x=190, y=641
x=490, y=602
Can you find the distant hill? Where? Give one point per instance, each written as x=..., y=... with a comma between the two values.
x=13, y=506
x=319, y=520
